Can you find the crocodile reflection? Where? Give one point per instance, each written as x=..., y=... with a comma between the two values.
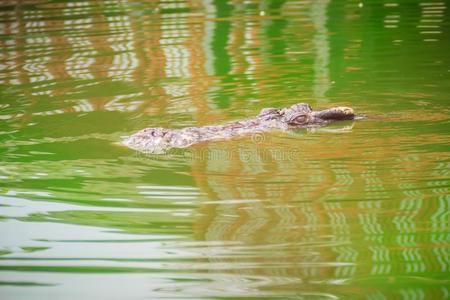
x=310, y=222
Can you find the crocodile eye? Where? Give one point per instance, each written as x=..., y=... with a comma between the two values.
x=298, y=119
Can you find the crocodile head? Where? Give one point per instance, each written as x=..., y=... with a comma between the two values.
x=301, y=114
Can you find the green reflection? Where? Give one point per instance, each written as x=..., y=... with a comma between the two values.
x=357, y=210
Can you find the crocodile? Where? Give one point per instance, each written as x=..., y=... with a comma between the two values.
x=300, y=115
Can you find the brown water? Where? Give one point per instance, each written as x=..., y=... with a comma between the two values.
x=356, y=210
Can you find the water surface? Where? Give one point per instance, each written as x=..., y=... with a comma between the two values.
x=357, y=210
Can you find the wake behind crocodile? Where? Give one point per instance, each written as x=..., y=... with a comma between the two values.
x=158, y=140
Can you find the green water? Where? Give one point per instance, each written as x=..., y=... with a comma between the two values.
x=357, y=210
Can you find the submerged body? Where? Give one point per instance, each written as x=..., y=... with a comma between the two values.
x=157, y=140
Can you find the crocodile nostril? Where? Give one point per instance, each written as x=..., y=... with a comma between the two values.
x=348, y=110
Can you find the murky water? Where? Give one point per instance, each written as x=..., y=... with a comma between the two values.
x=357, y=210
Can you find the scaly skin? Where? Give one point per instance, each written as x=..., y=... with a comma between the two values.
x=157, y=140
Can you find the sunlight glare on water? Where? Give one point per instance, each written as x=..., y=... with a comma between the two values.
x=355, y=210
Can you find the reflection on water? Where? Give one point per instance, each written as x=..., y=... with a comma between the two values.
x=353, y=210
x=321, y=76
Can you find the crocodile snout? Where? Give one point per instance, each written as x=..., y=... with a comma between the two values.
x=336, y=113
